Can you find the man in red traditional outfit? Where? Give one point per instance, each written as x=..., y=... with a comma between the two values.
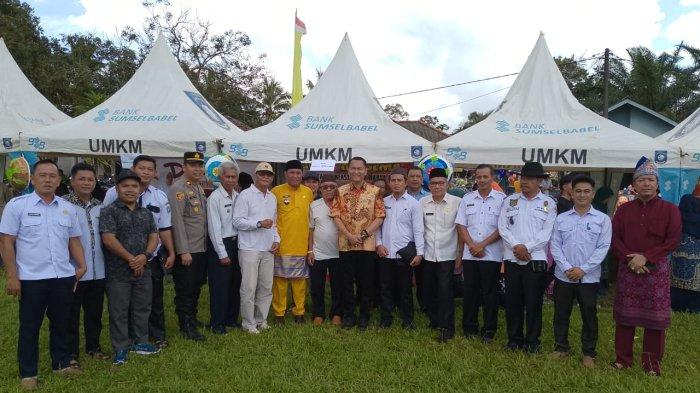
x=645, y=231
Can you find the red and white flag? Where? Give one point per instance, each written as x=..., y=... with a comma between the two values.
x=299, y=26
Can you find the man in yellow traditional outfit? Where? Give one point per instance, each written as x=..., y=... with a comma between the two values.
x=293, y=205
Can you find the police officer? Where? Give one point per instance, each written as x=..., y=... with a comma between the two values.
x=157, y=203
x=40, y=233
x=525, y=224
x=189, y=219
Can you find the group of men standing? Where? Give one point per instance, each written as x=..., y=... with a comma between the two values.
x=64, y=255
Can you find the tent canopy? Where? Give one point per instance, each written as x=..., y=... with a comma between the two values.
x=685, y=136
x=540, y=120
x=338, y=119
x=22, y=107
x=157, y=112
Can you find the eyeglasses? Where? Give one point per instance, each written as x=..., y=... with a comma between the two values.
x=328, y=188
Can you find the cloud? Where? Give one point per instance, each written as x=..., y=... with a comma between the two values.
x=410, y=45
x=685, y=28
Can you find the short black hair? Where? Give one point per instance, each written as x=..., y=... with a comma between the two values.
x=358, y=158
x=582, y=179
x=566, y=179
x=45, y=161
x=82, y=166
x=143, y=157
x=414, y=168
x=399, y=171
x=485, y=166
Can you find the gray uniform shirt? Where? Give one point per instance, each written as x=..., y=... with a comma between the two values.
x=189, y=216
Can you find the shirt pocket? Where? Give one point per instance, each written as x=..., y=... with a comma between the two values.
x=541, y=216
x=64, y=226
x=593, y=230
x=567, y=232
x=31, y=226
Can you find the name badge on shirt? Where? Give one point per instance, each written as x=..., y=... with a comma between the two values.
x=429, y=214
x=34, y=214
x=387, y=207
x=470, y=205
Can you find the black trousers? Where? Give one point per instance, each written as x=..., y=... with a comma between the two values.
x=480, y=287
x=586, y=296
x=438, y=295
x=524, y=291
x=357, y=268
x=418, y=274
x=53, y=298
x=318, y=287
x=188, y=282
x=224, y=286
x=395, y=274
x=89, y=296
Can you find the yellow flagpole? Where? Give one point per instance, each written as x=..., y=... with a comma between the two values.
x=296, y=77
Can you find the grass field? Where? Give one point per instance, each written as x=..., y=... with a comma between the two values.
x=326, y=359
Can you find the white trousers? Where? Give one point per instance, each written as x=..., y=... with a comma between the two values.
x=256, y=286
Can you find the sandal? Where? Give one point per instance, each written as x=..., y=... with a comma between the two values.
x=618, y=366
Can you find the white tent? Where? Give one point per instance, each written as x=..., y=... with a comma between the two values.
x=681, y=175
x=540, y=120
x=22, y=107
x=157, y=112
x=338, y=119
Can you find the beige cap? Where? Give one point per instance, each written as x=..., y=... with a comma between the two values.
x=264, y=167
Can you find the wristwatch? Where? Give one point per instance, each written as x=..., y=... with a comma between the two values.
x=258, y=224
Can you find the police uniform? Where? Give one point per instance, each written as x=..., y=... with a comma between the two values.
x=528, y=222
x=156, y=201
x=189, y=225
x=46, y=275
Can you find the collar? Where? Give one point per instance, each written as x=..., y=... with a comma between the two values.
x=651, y=201
x=121, y=205
x=539, y=195
x=591, y=211
x=477, y=195
x=225, y=194
x=353, y=188
x=403, y=196
x=35, y=198
x=72, y=197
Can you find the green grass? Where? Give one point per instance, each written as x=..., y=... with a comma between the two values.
x=308, y=358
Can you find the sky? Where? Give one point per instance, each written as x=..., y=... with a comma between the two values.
x=410, y=45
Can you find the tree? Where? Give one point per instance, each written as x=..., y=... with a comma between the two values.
x=310, y=85
x=396, y=111
x=434, y=122
x=219, y=65
x=272, y=99
x=472, y=119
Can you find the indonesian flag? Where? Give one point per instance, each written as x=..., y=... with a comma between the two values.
x=299, y=26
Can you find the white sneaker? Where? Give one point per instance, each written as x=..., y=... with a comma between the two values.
x=263, y=326
x=252, y=331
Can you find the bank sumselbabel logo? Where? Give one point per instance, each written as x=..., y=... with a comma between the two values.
x=296, y=122
x=101, y=115
x=503, y=126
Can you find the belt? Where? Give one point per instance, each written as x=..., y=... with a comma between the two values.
x=230, y=238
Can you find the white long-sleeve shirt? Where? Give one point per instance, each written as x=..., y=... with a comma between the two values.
x=403, y=224
x=440, y=232
x=252, y=205
x=580, y=241
x=220, y=219
x=528, y=222
x=480, y=217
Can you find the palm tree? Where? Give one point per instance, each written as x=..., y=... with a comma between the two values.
x=272, y=99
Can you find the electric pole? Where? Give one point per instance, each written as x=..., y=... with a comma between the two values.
x=606, y=81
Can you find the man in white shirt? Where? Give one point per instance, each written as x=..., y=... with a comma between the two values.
x=223, y=269
x=525, y=225
x=580, y=242
x=403, y=225
x=442, y=253
x=90, y=291
x=254, y=215
x=483, y=254
x=323, y=255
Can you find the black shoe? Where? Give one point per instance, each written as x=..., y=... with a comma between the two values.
x=445, y=336
x=192, y=333
x=363, y=324
x=348, y=322
x=234, y=325
x=511, y=346
x=487, y=339
x=433, y=325
x=219, y=330
x=470, y=335
x=532, y=349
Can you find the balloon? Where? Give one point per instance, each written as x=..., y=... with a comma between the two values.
x=428, y=163
x=211, y=168
x=18, y=173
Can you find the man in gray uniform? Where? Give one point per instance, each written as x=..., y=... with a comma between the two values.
x=189, y=221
